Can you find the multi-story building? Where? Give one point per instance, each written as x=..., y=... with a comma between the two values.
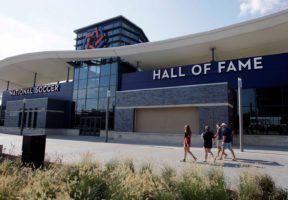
x=114, y=32
x=94, y=78
x=155, y=87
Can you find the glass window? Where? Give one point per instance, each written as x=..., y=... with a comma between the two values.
x=109, y=26
x=76, y=73
x=20, y=117
x=82, y=94
x=104, y=81
x=102, y=104
x=93, y=82
x=116, y=31
x=83, y=72
x=105, y=70
x=268, y=96
x=35, y=117
x=78, y=42
x=116, y=24
x=111, y=103
x=112, y=91
x=114, y=68
x=30, y=118
x=82, y=83
x=75, y=85
x=25, y=118
x=94, y=71
x=80, y=105
x=92, y=93
x=248, y=97
x=115, y=38
x=103, y=91
x=113, y=80
x=75, y=94
x=91, y=104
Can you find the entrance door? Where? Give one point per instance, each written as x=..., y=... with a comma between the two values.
x=90, y=126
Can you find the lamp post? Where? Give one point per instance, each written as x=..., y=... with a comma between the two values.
x=22, y=117
x=107, y=116
x=240, y=114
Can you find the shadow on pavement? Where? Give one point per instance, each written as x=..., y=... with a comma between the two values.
x=241, y=163
x=261, y=162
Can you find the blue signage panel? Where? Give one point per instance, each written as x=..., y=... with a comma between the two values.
x=62, y=91
x=256, y=72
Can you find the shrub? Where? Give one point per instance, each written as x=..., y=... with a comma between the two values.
x=8, y=187
x=248, y=188
x=216, y=188
x=259, y=186
x=86, y=181
x=45, y=183
x=280, y=194
x=119, y=180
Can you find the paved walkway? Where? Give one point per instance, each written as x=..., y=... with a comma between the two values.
x=70, y=149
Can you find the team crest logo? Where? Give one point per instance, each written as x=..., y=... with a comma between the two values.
x=94, y=39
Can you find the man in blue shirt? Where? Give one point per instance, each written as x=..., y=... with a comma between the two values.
x=218, y=139
x=227, y=140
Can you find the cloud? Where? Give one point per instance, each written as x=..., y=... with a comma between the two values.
x=17, y=37
x=253, y=7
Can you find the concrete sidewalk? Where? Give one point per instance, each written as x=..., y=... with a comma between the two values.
x=70, y=149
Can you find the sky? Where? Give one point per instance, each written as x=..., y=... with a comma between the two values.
x=45, y=25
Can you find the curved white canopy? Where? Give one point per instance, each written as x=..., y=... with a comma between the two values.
x=262, y=36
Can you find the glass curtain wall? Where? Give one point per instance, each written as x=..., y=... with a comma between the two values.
x=91, y=83
x=265, y=111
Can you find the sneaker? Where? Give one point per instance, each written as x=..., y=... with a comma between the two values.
x=204, y=161
x=234, y=159
x=184, y=160
x=195, y=158
x=226, y=156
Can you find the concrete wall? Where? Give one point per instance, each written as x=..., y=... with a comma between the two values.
x=212, y=99
x=197, y=141
x=124, y=120
x=212, y=115
x=263, y=140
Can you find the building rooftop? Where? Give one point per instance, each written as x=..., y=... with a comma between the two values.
x=120, y=17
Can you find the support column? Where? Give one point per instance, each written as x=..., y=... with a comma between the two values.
x=240, y=114
x=68, y=74
x=138, y=69
x=8, y=83
x=213, y=53
x=35, y=78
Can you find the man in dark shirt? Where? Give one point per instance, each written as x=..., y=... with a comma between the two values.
x=207, y=136
x=227, y=140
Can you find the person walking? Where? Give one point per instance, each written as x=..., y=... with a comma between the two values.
x=208, y=138
x=187, y=142
x=227, y=141
x=218, y=139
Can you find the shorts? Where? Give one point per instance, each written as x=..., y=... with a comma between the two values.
x=218, y=143
x=207, y=145
x=186, y=145
x=227, y=146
